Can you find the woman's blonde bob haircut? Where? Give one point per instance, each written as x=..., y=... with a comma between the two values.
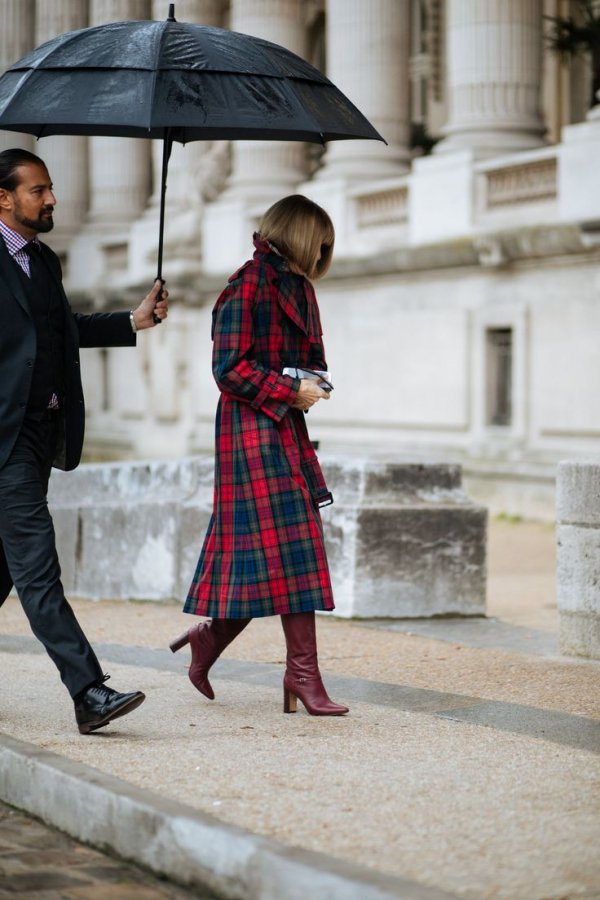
x=302, y=232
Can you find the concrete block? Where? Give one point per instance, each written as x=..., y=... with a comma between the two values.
x=66, y=527
x=417, y=562
x=578, y=557
x=129, y=552
x=402, y=540
x=578, y=568
x=194, y=517
x=578, y=492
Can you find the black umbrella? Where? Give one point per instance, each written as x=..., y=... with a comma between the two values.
x=176, y=81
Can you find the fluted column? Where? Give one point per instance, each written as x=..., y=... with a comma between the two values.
x=16, y=39
x=119, y=167
x=65, y=156
x=268, y=169
x=368, y=59
x=494, y=76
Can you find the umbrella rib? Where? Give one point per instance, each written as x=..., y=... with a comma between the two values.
x=155, y=69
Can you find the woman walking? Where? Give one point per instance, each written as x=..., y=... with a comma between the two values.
x=264, y=553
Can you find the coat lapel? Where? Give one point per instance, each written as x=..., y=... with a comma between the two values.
x=287, y=300
x=11, y=277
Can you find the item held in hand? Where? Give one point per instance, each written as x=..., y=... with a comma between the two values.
x=321, y=377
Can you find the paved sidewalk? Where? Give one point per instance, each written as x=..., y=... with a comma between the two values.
x=469, y=764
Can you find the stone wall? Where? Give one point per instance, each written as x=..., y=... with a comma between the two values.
x=402, y=540
x=578, y=557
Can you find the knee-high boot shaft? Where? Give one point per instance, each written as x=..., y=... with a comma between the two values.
x=302, y=677
x=207, y=641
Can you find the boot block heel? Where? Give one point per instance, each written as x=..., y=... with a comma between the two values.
x=290, y=701
x=179, y=642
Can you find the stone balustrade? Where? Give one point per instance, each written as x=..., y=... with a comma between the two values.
x=403, y=540
x=522, y=183
x=578, y=557
x=526, y=181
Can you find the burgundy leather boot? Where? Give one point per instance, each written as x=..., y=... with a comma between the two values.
x=207, y=641
x=302, y=677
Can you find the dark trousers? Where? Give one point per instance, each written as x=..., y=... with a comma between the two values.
x=27, y=535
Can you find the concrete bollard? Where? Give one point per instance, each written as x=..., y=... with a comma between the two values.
x=578, y=557
x=402, y=540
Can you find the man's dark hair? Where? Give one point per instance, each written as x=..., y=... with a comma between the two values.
x=10, y=160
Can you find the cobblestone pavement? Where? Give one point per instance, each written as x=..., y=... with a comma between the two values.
x=40, y=862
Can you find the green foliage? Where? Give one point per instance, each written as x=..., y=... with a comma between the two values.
x=572, y=35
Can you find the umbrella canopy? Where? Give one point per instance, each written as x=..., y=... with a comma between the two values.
x=140, y=78
x=176, y=81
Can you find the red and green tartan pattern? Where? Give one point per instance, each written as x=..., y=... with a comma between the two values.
x=264, y=552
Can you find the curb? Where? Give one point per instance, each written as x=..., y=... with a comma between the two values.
x=175, y=841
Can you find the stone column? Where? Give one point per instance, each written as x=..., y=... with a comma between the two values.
x=268, y=169
x=16, y=39
x=66, y=156
x=119, y=167
x=368, y=59
x=494, y=76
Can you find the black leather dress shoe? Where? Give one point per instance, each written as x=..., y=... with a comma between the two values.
x=100, y=704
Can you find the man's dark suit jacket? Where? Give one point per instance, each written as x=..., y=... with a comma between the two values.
x=17, y=355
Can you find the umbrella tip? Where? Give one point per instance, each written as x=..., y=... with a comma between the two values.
x=171, y=16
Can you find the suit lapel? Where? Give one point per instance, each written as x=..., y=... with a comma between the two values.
x=53, y=267
x=10, y=276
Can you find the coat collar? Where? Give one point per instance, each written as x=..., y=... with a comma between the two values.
x=289, y=284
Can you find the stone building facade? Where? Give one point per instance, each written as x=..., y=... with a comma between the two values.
x=462, y=312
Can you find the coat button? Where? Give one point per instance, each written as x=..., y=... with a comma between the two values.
x=29, y=363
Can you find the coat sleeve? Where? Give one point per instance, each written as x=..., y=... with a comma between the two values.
x=234, y=369
x=105, y=330
x=316, y=356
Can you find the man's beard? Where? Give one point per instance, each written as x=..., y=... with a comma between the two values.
x=43, y=223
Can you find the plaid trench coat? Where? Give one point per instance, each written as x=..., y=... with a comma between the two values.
x=263, y=553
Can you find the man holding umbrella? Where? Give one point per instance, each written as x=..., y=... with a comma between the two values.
x=42, y=423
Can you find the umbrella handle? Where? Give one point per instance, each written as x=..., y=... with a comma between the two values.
x=167, y=147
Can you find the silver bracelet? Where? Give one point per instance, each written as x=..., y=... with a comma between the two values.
x=134, y=327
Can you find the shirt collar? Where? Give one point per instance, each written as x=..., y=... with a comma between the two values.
x=13, y=240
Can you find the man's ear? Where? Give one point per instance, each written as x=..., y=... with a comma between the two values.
x=5, y=199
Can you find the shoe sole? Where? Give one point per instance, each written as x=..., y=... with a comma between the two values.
x=88, y=727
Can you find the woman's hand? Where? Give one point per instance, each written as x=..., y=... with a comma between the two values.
x=309, y=394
